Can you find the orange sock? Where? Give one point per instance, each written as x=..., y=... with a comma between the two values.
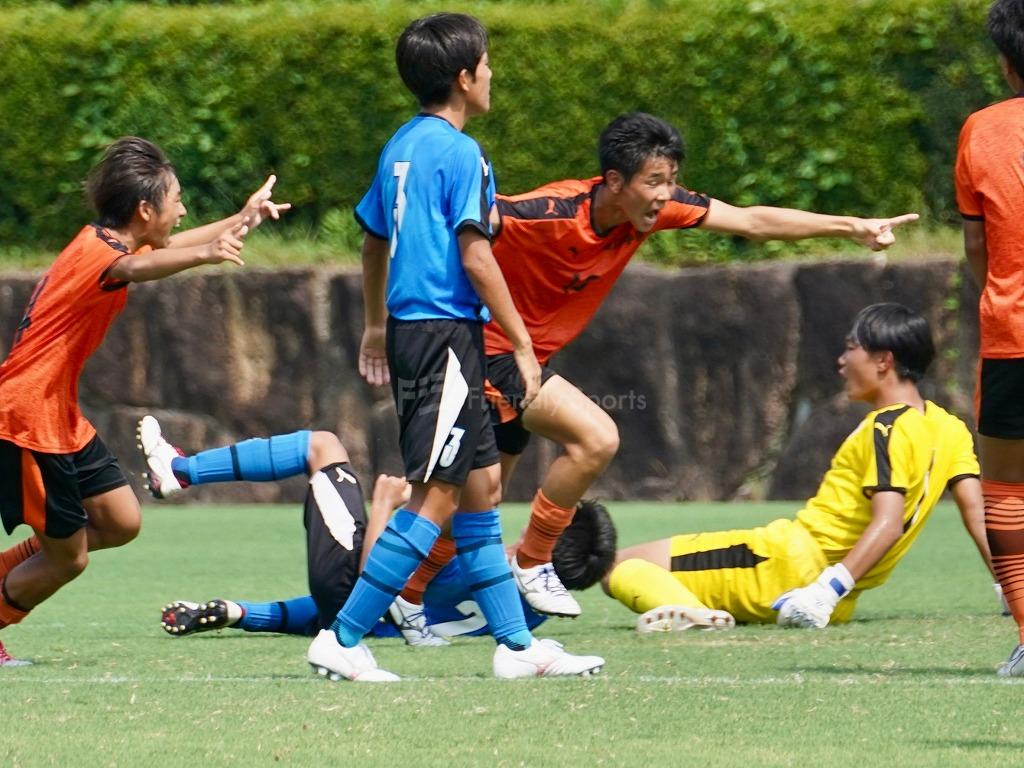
x=1004, y=524
x=547, y=521
x=10, y=613
x=437, y=558
x=19, y=553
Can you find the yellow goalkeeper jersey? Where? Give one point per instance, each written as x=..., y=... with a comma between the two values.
x=896, y=448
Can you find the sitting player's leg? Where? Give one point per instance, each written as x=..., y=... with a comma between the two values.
x=642, y=582
x=589, y=439
x=256, y=459
x=740, y=572
x=297, y=616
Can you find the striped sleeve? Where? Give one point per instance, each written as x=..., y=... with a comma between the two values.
x=685, y=210
x=890, y=456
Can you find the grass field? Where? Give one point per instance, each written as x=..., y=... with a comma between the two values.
x=909, y=683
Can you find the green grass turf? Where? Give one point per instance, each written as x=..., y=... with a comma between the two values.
x=909, y=683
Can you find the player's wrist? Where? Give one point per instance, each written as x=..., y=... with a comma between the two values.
x=836, y=582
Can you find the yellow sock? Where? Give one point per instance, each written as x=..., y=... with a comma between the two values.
x=641, y=586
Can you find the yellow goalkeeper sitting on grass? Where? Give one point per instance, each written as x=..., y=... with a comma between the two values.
x=882, y=485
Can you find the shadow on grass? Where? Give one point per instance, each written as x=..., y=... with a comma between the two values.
x=898, y=672
x=1017, y=746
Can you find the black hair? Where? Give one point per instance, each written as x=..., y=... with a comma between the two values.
x=432, y=51
x=130, y=171
x=586, y=549
x=629, y=140
x=1006, y=28
x=892, y=327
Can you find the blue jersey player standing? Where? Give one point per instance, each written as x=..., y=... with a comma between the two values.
x=430, y=282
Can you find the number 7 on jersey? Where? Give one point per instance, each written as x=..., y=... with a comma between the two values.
x=401, y=172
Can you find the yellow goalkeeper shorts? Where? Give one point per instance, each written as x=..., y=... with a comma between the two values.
x=743, y=572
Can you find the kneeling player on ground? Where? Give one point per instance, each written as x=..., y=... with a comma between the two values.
x=883, y=483
x=56, y=474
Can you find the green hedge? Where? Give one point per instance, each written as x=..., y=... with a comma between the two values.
x=824, y=104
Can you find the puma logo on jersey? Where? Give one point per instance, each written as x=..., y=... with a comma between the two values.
x=576, y=284
x=487, y=170
x=550, y=211
x=885, y=429
x=344, y=477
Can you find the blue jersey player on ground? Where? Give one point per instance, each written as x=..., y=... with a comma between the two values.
x=430, y=282
x=584, y=552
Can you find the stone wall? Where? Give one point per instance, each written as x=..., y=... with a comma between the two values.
x=722, y=380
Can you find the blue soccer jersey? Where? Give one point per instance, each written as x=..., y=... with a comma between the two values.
x=450, y=610
x=432, y=183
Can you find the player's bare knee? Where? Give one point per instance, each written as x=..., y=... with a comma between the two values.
x=69, y=566
x=325, y=449
x=597, y=446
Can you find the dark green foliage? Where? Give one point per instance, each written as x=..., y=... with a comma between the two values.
x=823, y=104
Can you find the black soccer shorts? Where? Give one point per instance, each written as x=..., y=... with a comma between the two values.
x=1001, y=398
x=506, y=393
x=437, y=378
x=45, y=490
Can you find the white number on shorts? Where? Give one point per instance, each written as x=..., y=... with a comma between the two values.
x=451, y=447
x=401, y=171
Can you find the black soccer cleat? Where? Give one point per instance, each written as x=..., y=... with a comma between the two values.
x=186, y=618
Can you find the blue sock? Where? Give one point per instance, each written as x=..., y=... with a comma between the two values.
x=297, y=616
x=256, y=459
x=482, y=561
x=397, y=553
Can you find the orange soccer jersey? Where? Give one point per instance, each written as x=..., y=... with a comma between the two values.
x=558, y=268
x=990, y=188
x=67, y=317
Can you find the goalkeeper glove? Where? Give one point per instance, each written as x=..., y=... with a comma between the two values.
x=812, y=606
x=1005, y=606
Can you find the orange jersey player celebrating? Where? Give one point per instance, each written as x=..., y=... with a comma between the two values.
x=561, y=247
x=56, y=474
x=989, y=194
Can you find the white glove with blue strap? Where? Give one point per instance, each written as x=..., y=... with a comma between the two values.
x=812, y=606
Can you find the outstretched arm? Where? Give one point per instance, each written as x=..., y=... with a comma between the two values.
x=762, y=222
x=153, y=265
x=969, y=500
x=256, y=210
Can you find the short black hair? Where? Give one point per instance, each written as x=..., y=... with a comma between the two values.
x=586, y=549
x=1006, y=28
x=629, y=140
x=130, y=171
x=432, y=51
x=895, y=328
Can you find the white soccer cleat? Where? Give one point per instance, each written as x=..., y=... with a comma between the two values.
x=1013, y=666
x=544, y=658
x=543, y=590
x=332, y=660
x=412, y=623
x=677, y=618
x=159, y=455
x=6, y=660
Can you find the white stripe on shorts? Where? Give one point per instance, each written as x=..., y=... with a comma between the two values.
x=453, y=397
x=333, y=510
